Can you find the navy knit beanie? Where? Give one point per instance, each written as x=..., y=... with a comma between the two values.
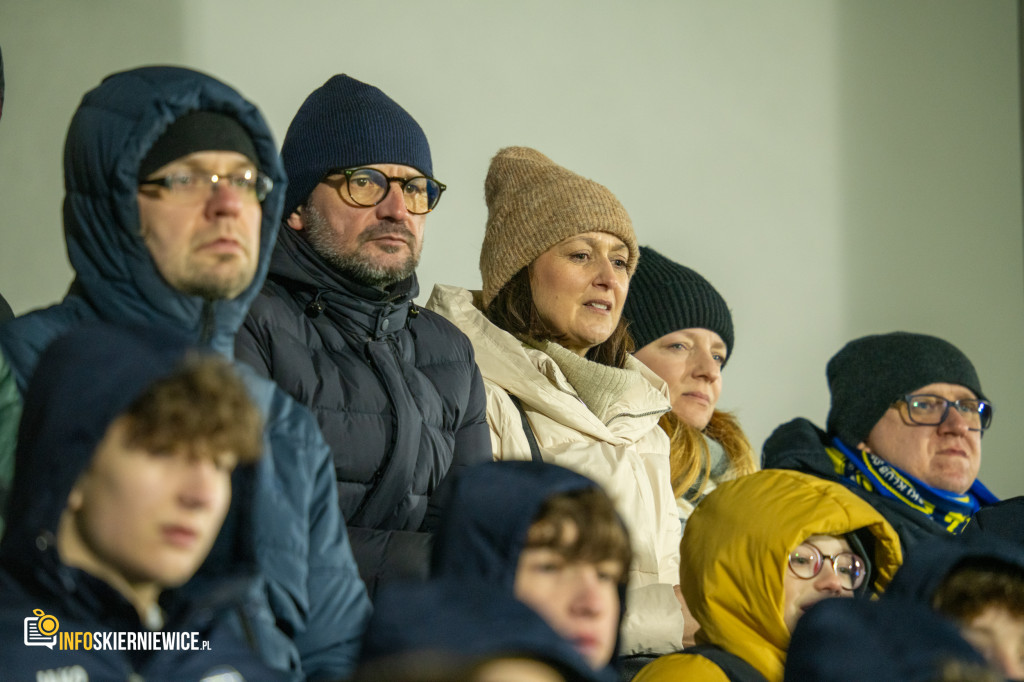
x=872, y=372
x=346, y=123
x=665, y=296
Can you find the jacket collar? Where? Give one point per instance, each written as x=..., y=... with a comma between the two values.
x=354, y=307
x=537, y=379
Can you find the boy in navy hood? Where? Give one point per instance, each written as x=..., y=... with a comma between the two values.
x=978, y=583
x=123, y=479
x=173, y=201
x=520, y=533
x=859, y=639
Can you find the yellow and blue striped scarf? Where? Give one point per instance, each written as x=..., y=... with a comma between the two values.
x=870, y=472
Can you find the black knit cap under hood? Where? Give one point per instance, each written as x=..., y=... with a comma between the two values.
x=198, y=131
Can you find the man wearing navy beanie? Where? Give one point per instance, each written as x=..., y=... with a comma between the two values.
x=395, y=388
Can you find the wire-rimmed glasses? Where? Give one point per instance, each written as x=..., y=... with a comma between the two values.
x=806, y=561
x=198, y=185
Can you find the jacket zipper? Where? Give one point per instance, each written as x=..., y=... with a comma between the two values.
x=630, y=414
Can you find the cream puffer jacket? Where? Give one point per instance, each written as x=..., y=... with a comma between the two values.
x=621, y=447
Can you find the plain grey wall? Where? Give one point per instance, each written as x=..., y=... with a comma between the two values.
x=834, y=167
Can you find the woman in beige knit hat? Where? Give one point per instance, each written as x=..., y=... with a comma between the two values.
x=561, y=384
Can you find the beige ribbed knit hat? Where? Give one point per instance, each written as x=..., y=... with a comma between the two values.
x=532, y=204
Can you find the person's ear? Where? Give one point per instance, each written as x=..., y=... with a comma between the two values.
x=295, y=220
x=76, y=498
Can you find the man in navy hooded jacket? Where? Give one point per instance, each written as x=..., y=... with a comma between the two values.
x=173, y=199
x=124, y=477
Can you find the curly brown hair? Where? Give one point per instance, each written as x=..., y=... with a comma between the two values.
x=203, y=405
x=976, y=584
x=514, y=311
x=599, y=532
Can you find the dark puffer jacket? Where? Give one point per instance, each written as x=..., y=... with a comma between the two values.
x=395, y=388
x=86, y=380
x=314, y=594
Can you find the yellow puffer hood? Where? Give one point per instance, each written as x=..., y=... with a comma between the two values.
x=735, y=549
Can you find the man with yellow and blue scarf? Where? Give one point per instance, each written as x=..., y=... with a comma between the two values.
x=903, y=431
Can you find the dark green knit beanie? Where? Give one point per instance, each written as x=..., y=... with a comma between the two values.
x=665, y=296
x=872, y=372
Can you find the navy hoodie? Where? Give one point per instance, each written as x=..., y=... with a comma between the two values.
x=86, y=380
x=476, y=552
x=316, y=604
x=924, y=571
x=858, y=639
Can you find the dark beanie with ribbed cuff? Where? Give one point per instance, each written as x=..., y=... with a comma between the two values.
x=870, y=373
x=665, y=296
x=198, y=131
x=343, y=124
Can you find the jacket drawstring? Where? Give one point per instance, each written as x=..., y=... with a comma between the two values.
x=206, y=323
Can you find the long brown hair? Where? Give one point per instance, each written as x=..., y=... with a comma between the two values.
x=514, y=311
x=689, y=457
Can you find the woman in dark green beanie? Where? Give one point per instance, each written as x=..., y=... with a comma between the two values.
x=683, y=330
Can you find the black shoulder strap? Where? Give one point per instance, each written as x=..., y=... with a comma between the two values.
x=735, y=668
x=527, y=429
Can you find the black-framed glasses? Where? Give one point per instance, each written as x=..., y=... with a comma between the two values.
x=806, y=561
x=368, y=187
x=931, y=410
x=198, y=186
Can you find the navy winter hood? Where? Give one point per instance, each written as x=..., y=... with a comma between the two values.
x=462, y=624
x=927, y=566
x=111, y=132
x=859, y=639
x=487, y=519
x=485, y=523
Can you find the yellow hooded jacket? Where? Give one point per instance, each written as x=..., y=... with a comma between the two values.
x=734, y=555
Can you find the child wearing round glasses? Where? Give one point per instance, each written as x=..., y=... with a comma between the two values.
x=758, y=553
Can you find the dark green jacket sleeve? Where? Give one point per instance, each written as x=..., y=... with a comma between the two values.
x=10, y=415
